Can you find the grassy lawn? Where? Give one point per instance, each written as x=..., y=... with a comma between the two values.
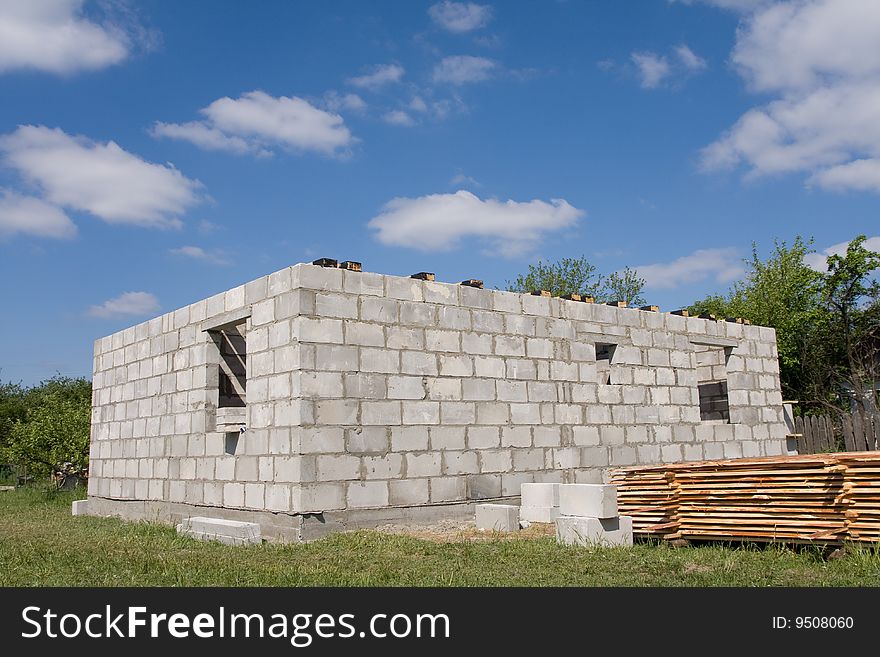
x=42, y=544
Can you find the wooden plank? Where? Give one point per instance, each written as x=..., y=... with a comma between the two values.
x=802, y=438
x=848, y=437
x=859, y=432
x=825, y=436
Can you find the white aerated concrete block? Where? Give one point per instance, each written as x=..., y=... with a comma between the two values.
x=539, y=495
x=229, y=532
x=539, y=513
x=588, y=500
x=80, y=508
x=540, y=502
x=499, y=517
x=605, y=532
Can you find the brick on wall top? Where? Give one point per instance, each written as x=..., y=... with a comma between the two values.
x=405, y=288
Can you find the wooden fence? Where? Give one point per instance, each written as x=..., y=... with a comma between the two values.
x=843, y=433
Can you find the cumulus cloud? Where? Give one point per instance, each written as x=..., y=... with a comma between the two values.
x=379, y=77
x=462, y=180
x=256, y=122
x=215, y=257
x=657, y=70
x=460, y=17
x=733, y=5
x=99, y=178
x=438, y=222
x=461, y=69
x=721, y=265
x=819, y=261
x=689, y=59
x=822, y=121
x=126, y=304
x=27, y=215
x=653, y=68
x=53, y=36
x=398, y=117
x=334, y=101
x=202, y=135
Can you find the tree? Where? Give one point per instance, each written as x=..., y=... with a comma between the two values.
x=55, y=429
x=851, y=299
x=784, y=293
x=560, y=278
x=626, y=285
x=577, y=276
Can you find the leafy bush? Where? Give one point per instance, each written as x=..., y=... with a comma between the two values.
x=51, y=432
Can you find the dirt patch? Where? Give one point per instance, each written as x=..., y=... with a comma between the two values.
x=696, y=568
x=456, y=531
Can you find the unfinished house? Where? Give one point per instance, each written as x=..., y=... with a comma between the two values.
x=321, y=398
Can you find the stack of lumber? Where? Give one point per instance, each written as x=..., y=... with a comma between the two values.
x=650, y=498
x=808, y=498
x=862, y=490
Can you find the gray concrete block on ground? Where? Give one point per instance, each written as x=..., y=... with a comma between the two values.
x=229, y=532
x=539, y=513
x=497, y=517
x=588, y=500
x=80, y=508
x=604, y=532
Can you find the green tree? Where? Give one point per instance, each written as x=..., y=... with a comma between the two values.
x=625, y=285
x=55, y=428
x=560, y=278
x=851, y=296
x=784, y=293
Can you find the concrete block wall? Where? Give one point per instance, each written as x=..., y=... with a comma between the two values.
x=367, y=391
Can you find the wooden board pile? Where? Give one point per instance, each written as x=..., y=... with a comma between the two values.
x=808, y=498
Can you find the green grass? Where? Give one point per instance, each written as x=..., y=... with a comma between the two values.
x=42, y=544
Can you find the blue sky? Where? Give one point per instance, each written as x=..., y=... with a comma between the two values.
x=155, y=153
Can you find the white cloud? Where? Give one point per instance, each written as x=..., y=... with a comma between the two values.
x=53, y=36
x=381, y=76
x=689, y=59
x=438, y=222
x=334, y=101
x=418, y=104
x=721, y=265
x=861, y=175
x=32, y=216
x=256, y=122
x=653, y=68
x=734, y=5
x=461, y=180
x=99, y=178
x=198, y=253
x=126, y=304
x=822, y=121
x=202, y=135
x=461, y=69
x=819, y=261
x=460, y=17
x=398, y=117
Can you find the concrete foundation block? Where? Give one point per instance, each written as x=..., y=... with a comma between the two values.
x=588, y=500
x=604, y=532
x=539, y=495
x=80, y=508
x=498, y=517
x=229, y=532
x=539, y=513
